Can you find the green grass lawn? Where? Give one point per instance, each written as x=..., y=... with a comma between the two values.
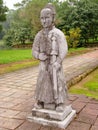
x=88, y=86
x=8, y=56
x=14, y=59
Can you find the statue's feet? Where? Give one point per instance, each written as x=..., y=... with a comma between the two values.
x=38, y=106
x=60, y=108
x=50, y=106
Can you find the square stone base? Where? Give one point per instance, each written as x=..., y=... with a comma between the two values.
x=52, y=114
x=61, y=123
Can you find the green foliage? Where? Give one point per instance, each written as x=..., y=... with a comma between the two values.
x=73, y=37
x=21, y=32
x=18, y=32
x=3, y=10
x=25, y=22
x=1, y=42
x=8, y=38
x=71, y=15
x=82, y=14
x=32, y=13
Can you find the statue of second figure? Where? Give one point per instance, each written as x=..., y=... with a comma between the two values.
x=50, y=47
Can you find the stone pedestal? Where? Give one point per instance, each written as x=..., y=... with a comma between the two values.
x=52, y=118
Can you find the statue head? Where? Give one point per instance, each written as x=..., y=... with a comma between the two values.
x=47, y=16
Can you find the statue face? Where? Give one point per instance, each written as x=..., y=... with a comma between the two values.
x=46, y=18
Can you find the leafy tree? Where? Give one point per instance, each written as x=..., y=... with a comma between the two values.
x=8, y=38
x=18, y=33
x=3, y=10
x=82, y=14
x=25, y=22
x=22, y=32
x=30, y=10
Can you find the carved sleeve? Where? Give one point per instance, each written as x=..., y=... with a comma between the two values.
x=35, y=48
x=63, y=48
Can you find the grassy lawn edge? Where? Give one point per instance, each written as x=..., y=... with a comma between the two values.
x=10, y=67
x=17, y=66
x=88, y=86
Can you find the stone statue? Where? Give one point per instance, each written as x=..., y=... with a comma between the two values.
x=50, y=47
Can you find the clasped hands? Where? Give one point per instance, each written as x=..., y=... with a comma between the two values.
x=43, y=57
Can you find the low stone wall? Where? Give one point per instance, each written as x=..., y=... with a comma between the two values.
x=79, y=67
x=78, y=78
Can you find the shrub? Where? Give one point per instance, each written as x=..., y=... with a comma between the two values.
x=73, y=37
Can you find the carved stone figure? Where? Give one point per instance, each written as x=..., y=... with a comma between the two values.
x=50, y=47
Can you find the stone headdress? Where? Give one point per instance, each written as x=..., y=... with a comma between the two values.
x=52, y=8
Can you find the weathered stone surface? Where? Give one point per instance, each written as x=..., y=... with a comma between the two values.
x=92, y=105
x=87, y=118
x=90, y=111
x=96, y=123
x=94, y=128
x=3, y=129
x=50, y=114
x=46, y=128
x=49, y=106
x=54, y=123
x=29, y=126
x=10, y=123
x=75, y=125
x=78, y=106
x=50, y=47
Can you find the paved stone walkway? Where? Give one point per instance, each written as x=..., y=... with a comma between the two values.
x=17, y=90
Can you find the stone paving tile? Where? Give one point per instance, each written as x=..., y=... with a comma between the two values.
x=92, y=106
x=47, y=128
x=29, y=126
x=7, y=104
x=86, y=118
x=50, y=128
x=75, y=125
x=10, y=123
x=96, y=123
x=94, y=128
x=9, y=113
x=56, y=129
x=17, y=97
x=83, y=98
x=1, y=110
x=90, y=111
x=95, y=101
x=4, y=129
x=72, y=97
x=18, y=94
x=21, y=115
x=5, y=88
x=78, y=106
x=8, y=93
x=23, y=107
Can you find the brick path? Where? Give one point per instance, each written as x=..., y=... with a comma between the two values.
x=17, y=90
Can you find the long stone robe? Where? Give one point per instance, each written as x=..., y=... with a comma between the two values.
x=44, y=88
